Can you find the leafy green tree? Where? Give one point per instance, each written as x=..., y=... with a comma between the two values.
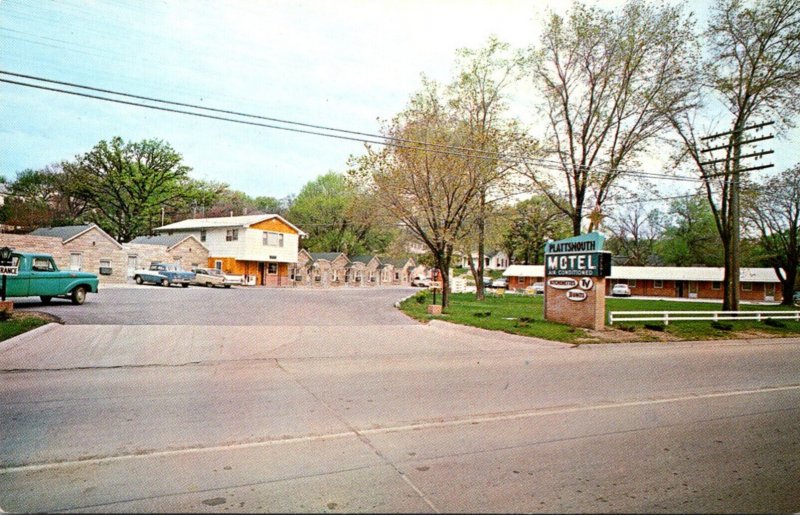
x=690, y=237
x=332, y=213
x=533, y=222
x=126, y=185
x=44, y=197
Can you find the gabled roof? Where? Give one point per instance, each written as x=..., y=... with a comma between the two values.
x=364, y=259
x=224, y=221
x=327, y=256
x=68, y=233
x=167, y=240
x=398, y=263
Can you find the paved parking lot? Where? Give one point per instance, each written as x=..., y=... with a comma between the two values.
x=155, y=305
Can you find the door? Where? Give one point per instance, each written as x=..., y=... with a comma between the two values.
x=769, y=292
x=132, y=265
x=693, y=289
x=679, y=287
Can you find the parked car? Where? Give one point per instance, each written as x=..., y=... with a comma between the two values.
x=210, y=277
x=165, y=274
x=231, y=279
x=501, y=282
x=538, y=288
x=38, y=275
x=487, y=282
x=621, y=290
x=796, y=298
x=421, y=281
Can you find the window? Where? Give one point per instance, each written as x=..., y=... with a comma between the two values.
x=232, y=235
x=716, y=285
x=273, y=239
x=632, y=283
x=272, y=268
x=105, y=267
x=218, y=264
x=658, y=283
x=202, y=235
x=42, y=265
x=75, y=260
x=747, y=286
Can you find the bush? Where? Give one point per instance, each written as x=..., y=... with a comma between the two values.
x=4, y=315
x=655, y=327
x=774, y=323
x=721, y=326
x=627, y=328
x=420, y=298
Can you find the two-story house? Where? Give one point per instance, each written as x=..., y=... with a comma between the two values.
x=259, y=247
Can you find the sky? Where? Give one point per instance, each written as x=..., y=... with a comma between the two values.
x=347, y=64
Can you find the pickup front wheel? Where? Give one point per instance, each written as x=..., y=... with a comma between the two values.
x=79, y=295
x=46, y=299
x=138, y=280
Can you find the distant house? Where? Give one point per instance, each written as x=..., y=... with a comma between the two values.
x=329, y=268
x=398, y=271
x=262, y=248
x=182, y=249
x=364, y=270
x=492, y=260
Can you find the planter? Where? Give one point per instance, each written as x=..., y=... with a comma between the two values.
x=7, y=306
x=434, y=309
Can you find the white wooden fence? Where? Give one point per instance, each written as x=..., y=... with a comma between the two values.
x=674, y=316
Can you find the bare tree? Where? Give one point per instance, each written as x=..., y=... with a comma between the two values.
x=751, y=71
x=478, y=97
x=607, y=80
x=776, y=213
x=635, y=233
x=431, y=192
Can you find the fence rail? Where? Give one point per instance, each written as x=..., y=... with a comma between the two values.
x=674, y=316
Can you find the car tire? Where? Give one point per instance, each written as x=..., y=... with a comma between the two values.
x=46, y=299
x=227, y=285
x=79, y=295
x=185, y=285
x=164, y=282
x=138, y=279
x=209, y=285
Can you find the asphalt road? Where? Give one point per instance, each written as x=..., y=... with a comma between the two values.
x=391, y=417
x=198, y=305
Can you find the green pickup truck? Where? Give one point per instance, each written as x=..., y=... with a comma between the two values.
x=38, y=275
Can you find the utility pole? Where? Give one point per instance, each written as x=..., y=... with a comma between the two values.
x=731, y=178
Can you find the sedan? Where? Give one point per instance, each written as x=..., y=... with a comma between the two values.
x=621, y=290
x=209, y=277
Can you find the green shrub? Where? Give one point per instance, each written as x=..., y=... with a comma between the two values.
x=774, y=323
x=4, y=315
x=420, y=298
x=526, y=319
x=482, y=314
x=721, y=326
x=655, y=327
x=628, y=328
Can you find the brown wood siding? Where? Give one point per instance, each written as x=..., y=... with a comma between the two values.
x=274, y=225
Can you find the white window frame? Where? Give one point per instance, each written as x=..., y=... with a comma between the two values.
x=272, y=239
x=72, y=261
x=232, y=235
x=658, y=284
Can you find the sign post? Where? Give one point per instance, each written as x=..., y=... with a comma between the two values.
x=436, y=284
x=575, y=288
x=6, y=269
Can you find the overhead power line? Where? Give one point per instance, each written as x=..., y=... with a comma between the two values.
x=349, y=135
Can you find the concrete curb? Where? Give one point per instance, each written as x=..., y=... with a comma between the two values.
x=20, y=338
x=497, y=335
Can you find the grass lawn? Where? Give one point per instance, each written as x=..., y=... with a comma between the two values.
x=19, y=324
x=523, y=315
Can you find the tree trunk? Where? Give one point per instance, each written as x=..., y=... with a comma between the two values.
x=787, y=283
x=479, y=293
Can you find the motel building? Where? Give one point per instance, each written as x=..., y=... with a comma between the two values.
x=756, y=284
x=261, y=248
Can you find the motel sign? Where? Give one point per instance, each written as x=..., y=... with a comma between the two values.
x=580, y=256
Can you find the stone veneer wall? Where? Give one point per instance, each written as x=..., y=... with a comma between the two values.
x=95, y=247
